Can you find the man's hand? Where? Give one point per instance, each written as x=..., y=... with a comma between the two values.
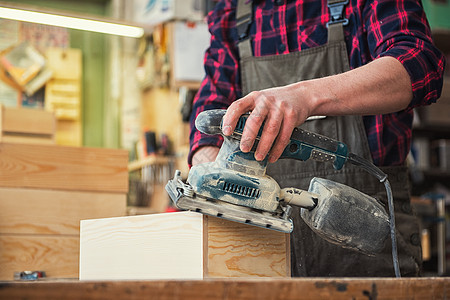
x=281, y=109
x=205, y=154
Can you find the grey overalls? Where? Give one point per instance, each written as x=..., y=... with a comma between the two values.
x=310, y=255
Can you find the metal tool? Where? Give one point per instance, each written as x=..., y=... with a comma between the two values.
x=29, y=275
x=235, y=187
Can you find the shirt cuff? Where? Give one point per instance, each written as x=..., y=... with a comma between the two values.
x=205, y=140
x=424, y=81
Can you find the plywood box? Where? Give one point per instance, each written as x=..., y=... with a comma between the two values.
x=26, y=125
x=181, y=245
x=45, y=191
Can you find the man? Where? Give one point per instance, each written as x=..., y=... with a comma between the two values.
x=359, y=68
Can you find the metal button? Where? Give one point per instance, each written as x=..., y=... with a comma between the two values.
x=415, y=239
x=406, y=208
x=281, y=47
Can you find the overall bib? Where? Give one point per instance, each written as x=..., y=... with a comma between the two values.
x=311, y=255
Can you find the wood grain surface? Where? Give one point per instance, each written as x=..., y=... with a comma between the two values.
x=239, y=250
x=36, y=211
x=63, y=168
x=27, y=120
x=159, y=246
x=57, y=255
x=236, y=289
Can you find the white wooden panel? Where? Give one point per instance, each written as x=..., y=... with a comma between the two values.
x=159, y=246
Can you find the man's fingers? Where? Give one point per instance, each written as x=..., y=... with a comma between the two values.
x=270, y=131
x=279, y=116
x=253, y=124
x=236, y=109
x=282, y=140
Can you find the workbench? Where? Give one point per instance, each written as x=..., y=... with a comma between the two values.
x=235, y=289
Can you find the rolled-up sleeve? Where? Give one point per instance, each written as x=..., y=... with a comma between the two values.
x=220, y=86
x=400, y=29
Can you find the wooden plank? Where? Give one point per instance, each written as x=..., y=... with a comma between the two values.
x=148, y=161
x=57, y=255
x=34, y=211
x=236, y=289
x=27, y=120
x=63, y=168
x=65, y=63
x=239, y=250
x=9, y=137
x=69, y=133
x=158, y=246
x=178, y=246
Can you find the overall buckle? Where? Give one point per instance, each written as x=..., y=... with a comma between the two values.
x=243, y=27
x=337, y=13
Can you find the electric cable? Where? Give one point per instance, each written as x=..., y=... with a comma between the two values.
x=382, y=177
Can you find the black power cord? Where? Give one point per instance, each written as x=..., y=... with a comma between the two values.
x=382, y=177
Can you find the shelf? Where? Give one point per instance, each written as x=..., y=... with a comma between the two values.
x=149, y=161
x=432, y=131
x=424, y=180
x=436, y=173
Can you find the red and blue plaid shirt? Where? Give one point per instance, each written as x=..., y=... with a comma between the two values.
x=376, y=28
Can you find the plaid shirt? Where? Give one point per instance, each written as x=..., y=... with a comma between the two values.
x=376, y=28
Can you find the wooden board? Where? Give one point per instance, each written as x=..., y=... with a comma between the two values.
x=182, y=245
x=35, y=211
x=236, y=289
x=142, y=247
x=57, y=255
x=238, y=250
x=63, y=94
x=65, y=63
x=8, y=137
x=63, y=168
x=27, y=120
x=69, y=133
x=25, y=125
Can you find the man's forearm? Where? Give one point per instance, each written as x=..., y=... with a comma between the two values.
x=382, y=86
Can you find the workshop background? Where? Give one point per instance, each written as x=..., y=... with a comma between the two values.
x=118, y=107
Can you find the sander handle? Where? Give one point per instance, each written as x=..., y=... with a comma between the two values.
x=306, y=145
x=303, y=145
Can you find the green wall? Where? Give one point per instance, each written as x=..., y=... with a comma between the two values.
x=438, y=13
x=94, y=49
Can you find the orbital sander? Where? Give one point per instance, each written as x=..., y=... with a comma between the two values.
x=236, y=187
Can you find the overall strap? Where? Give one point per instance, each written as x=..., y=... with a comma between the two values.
x=337, y=21
x=243, y=22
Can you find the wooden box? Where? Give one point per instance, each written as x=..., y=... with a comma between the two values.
x=180, y=245
x=27, y=125
x=45, y=190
